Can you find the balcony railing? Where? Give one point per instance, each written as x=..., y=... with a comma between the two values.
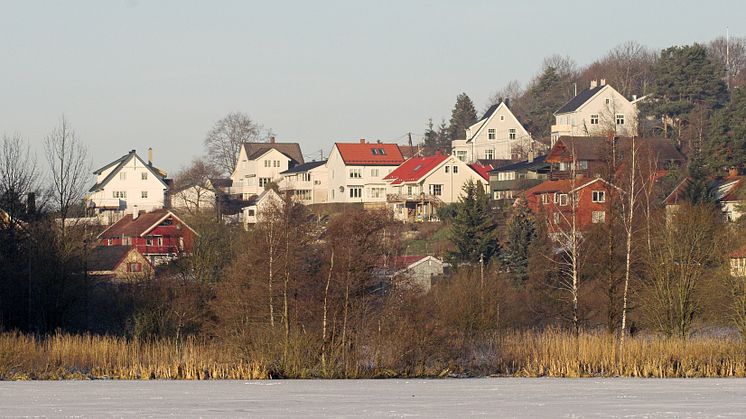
x=412, y=198
x=158, y=250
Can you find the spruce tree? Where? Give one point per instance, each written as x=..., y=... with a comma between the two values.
x=520, y=233
x=545, y=95
x=463, y=116
x=727, y=144
x=473, y=232
x=699, y=190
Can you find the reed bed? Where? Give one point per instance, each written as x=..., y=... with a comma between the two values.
x=551, y=353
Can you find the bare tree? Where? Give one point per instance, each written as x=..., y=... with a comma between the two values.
x=512, y=90
x=565, y=67
x=731, y=52
x=191, y=189
x=629, y=225
x=224, y=140
x=68, y=167
x=18, y=174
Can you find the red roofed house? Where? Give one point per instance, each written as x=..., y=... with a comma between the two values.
x=356, y=171
x=738, y=262
x=421, y=184
x=554, y=199
x=728, y=192
x=159, y=235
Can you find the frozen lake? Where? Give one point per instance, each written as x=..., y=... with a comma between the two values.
x=487, y=397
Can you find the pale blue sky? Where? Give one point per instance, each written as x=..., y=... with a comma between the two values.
x=134, y=73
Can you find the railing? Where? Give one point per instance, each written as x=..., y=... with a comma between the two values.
x=412, y=198
x=157, y=250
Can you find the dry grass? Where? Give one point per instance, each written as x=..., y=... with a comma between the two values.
x=528, y=354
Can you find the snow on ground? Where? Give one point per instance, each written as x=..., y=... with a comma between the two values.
x=449, y=398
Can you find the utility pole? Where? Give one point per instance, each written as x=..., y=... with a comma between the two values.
x=727, y=57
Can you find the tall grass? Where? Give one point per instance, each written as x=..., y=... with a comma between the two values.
x=550, y=353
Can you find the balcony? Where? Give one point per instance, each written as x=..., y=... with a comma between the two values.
x=158, y=250
x=399, y=198
x=562, y=129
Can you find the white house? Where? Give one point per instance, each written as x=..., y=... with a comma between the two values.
x=356, y=171
x=260, y=164
x=596, y=111
x=125, y=185
x=498, y=135
x=259, y=205
x=421, y=184
x=419, y=272
x=308, y=183
x=194, y=198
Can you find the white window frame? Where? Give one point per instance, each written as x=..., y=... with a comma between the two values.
x=436, y=189
x=144, y=194
x=489, y=154
x=264, y=181
x=455, y=170
x=563, y=200
x=491, y=134
x=122, y=175
x=374, y=172
x=356, y=173
x=620, y=119
x=598, y=217
x=594, y=119
x=598, y=196
x=119, y=194
x=144, y=176
x=356, y=192
x=511, y=134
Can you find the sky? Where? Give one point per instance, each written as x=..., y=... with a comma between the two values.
x=133, y=74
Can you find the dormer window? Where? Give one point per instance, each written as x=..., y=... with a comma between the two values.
x=375, y=151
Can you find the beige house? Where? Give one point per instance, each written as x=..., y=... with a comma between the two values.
x=307, y=183
x=260, y=164
x=194, y=198
x=498, y=135
x=421, y=184
x=597, y=111
x=357, y=171
x=259, y=206
x=124, y=263
x=409, y=272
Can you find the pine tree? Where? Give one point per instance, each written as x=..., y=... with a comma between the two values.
x=474, y=229
x=520, y=233
x=699, y=189
x=545, y=95
x=436, y=140
x=463, y=116
x=684, y=77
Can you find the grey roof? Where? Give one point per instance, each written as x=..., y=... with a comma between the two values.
x=490, y=111
x=537, y=164
x=596, y=148
x=292, y=150
x=304, y=167
x=221, y=183
x=120, y=162
x=573, y=104
x=106, y=258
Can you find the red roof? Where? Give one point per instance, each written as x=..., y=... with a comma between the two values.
x=565, y=185
x=145, y=222
x=415, y=169
x=482, y=170
x=370, y=154
x=738, y=253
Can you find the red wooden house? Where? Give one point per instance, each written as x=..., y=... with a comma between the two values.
x=159, y=235
x=554, y=199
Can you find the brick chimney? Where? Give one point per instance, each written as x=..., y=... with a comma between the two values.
x=272, y=139
x=362, y=141
x=733, y=172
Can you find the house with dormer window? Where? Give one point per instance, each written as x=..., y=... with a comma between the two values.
x=262, y=164
x=498, y=135
x=357, y=170
x=125, y=185
x=599, y=110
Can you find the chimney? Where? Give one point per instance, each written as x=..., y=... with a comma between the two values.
x=733, y=172
x=506, y=101
x=603, y=82
x=634, y=98
x=150, y=156
x=531, y=155
x=135, y=212
x=272, y=139
x=594, y=83
x=362, y=141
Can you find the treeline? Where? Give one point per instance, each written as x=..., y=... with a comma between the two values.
x=692, y=91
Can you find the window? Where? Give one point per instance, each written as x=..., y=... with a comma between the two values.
x=144, y=175
x=564, y=166
x=316, y=182
x=556, y=217
x=144, y=194
x=305, y=177
x=502, y=117
x=620, y=119
x=377, y=151
x=489, y=154
x=149, y=241
x=598, y=196
x=491, y=133
x=267, y=163
x=356, y=173
x=436, y=190
x=122, y=175
x=374, y=172
x=511, y=133
x=252, y=212
x=582, y=165
x=594, y=119
x=544, y=198
x=264, y=181
x=356, y=192
x=381, y=152
x=276, y=163
x=563, y=199
x=109, y=242
x=608, y=101
x=447, y=168
x=556, y=198
x=160, y=241
x=455, y=169
x=599, y=217
x=303, y=194
x=461, y=155
x=134, y=267
x=126, y=240
x=505, y=176
x=377, y=192
x=119, y=194
x=409, y=190
x=503, y=195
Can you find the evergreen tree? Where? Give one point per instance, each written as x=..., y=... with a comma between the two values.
x=699, y=190
x=463, y=116
x=545, y=95
x=436, y=140
x=474, y=229
x=727, y=144
x=684, y=77
x=520, y=232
